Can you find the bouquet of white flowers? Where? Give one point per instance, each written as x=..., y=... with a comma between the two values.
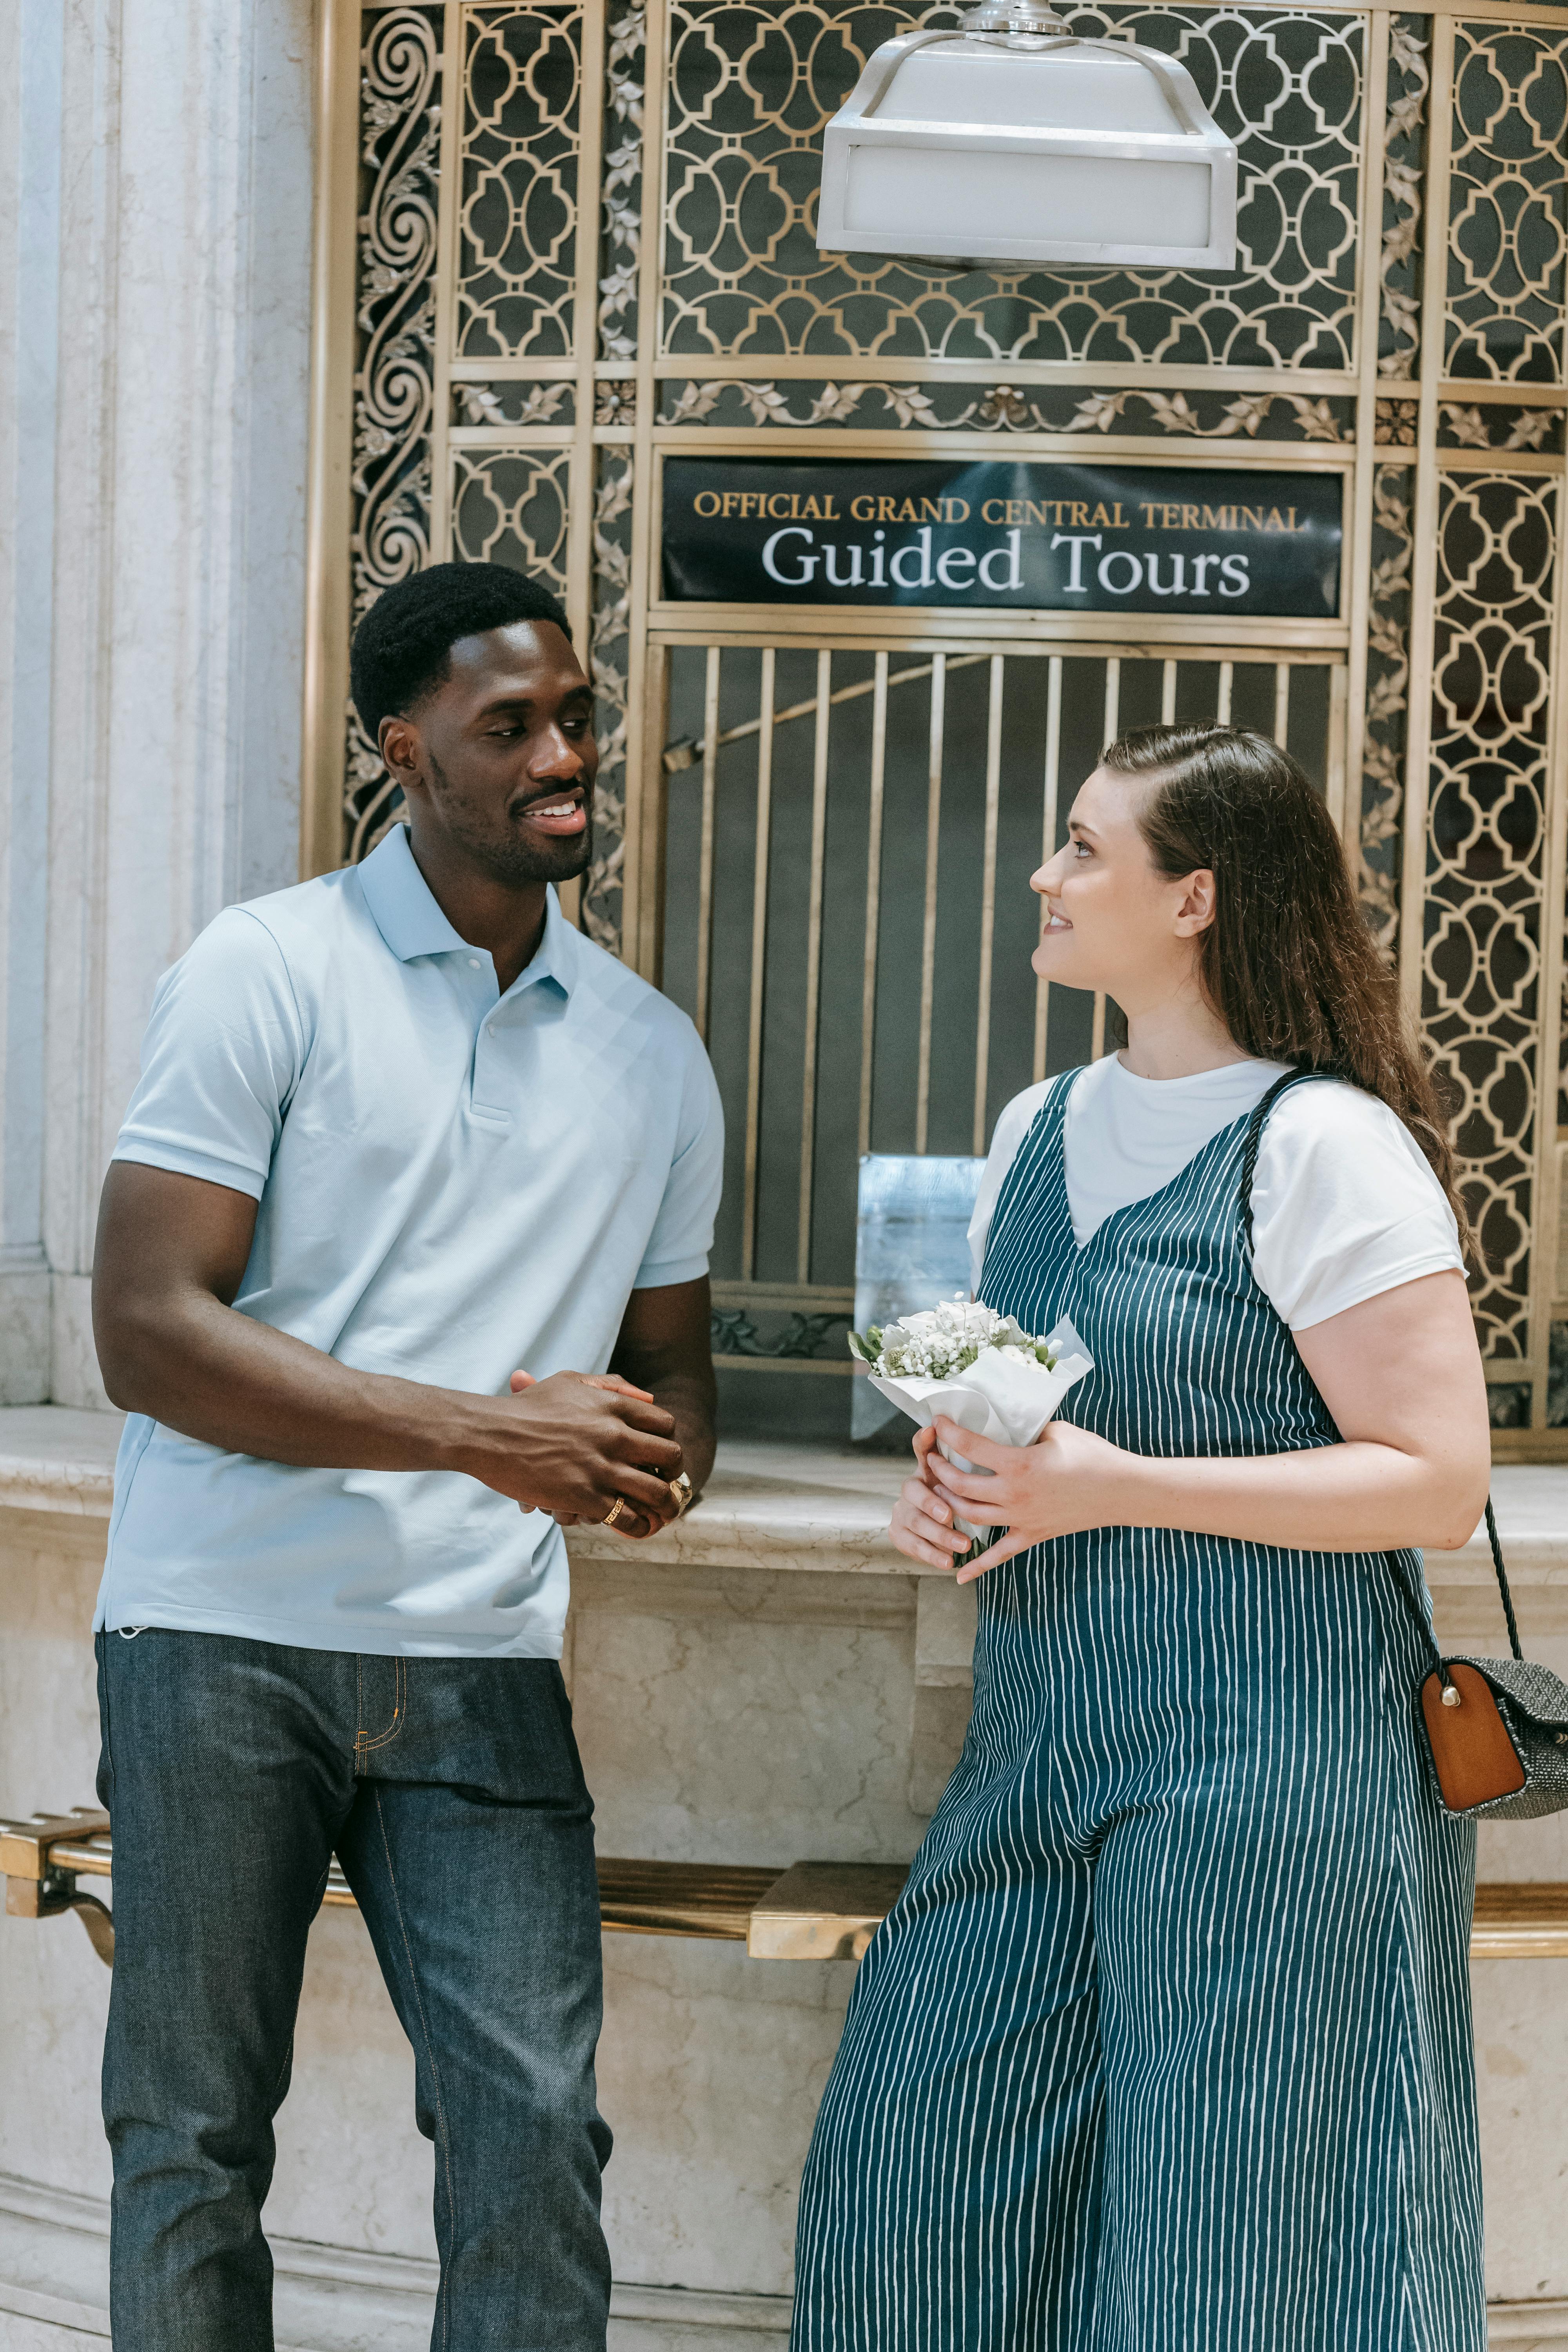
x=981, y=1370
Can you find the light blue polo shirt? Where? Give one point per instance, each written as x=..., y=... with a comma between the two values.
x=452, y=1185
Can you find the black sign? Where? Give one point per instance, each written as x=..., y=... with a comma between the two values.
x=1068, y=538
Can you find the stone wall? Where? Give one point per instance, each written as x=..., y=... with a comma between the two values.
x=154, y=375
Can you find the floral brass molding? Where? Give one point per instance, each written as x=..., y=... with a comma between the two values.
x=1005, y=409
x=1403, y=132
x=482, y=405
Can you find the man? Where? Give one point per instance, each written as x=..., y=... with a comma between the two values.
x=404, y=1141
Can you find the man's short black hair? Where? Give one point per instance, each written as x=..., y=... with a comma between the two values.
x=402, y=646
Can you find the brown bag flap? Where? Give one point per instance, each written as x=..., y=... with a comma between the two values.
x=1474, y=1758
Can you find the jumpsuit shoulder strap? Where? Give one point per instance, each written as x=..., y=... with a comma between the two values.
x=1051, y=1113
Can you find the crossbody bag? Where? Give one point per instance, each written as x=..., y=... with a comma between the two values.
x=1493, y=1731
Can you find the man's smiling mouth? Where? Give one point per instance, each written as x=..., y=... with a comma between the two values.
x=565, y=815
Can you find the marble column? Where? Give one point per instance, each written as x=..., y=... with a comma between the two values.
x=154, y=300
x=31, y=50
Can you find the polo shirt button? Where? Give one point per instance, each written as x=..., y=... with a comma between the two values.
x=473, y=963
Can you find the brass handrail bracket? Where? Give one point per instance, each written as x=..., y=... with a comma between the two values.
x=41, y=1859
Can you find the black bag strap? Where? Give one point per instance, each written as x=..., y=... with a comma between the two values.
x=1505, y=1595
x=1255, y=1138
x=1248, y=1169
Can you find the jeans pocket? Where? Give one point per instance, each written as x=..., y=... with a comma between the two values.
x=105, y=1750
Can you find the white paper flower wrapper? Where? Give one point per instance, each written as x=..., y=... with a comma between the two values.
x=996, y=1397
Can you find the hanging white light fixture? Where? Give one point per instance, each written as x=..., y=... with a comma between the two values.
x=1010, y=142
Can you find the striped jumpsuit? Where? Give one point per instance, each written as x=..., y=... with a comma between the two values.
x=1166, y=2046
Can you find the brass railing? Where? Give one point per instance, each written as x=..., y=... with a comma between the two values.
x=814, y=1911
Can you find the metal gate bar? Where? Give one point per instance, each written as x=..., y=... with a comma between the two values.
x=759, y=952
x=1109, y=732
x=705, y=852
x=927, y=929
x=873, y=894
x=1049, y=839
x=988, y=898
x=814, y=960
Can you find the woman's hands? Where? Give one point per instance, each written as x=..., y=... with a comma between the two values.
x=921, y=1524
x=1067, y=1480
x=1402, y=1378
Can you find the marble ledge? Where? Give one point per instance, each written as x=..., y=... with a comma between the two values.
x=54, y=1458
x=769, y=1505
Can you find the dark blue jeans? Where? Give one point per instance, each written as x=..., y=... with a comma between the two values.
x=450, y=1790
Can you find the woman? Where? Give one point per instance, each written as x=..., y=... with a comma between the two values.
x=1166, y=2047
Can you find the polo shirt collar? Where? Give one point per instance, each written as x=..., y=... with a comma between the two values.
x=405, y=913
x=555, y=956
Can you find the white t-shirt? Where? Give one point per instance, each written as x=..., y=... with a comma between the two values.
x=1344, y=1203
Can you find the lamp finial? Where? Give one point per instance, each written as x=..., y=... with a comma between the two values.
x=1015, y=16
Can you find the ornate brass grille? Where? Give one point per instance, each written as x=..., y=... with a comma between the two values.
x=749, y=86
x=561, y=240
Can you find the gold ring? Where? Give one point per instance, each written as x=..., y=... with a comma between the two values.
x=613, y=1513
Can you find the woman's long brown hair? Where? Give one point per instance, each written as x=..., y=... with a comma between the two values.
x=1287, y=962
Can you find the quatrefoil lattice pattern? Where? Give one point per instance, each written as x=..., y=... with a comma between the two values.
x=1507, y=201
x=517, y=222
x=752, y=84
x=1485, y=911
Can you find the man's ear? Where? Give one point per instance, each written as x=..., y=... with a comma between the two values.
x=398, y=740
x=1198, y=907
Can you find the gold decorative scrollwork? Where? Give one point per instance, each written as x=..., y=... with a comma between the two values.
x=1395, y=422
x=373, y=802
x=1005, y=409
x=513, y=405
x=518, y=214
x=1387, y=704
x=611, y=649
x=1497, y=427
x=1316, y=420
x=616, y=403
x=1404, y=143
x=737, y=1333
x=393, y=375
x=751, y=84
x=1485, y=907
x=621, y=196
x=1508, y=242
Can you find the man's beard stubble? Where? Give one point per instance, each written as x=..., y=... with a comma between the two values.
x=507, y=859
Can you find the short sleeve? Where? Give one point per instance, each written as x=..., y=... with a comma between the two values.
x=223, y=1050
x=1344, y=1204
x=1012, y=1126
x=682, y=1236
